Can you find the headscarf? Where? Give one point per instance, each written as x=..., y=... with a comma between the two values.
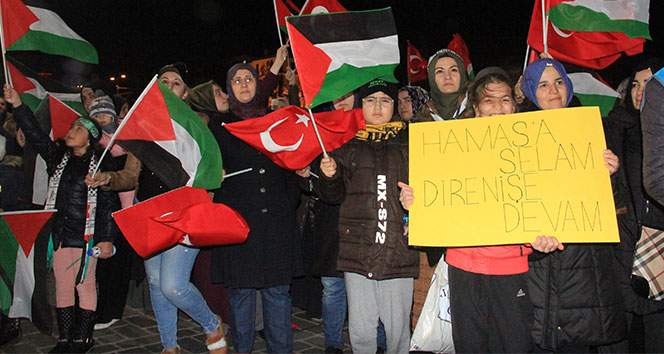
x=533, y=74
x=446, y=103
x=252, y=108
x=201, y=97
x=418, y=97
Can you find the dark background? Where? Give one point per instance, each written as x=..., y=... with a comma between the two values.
x=137, y=37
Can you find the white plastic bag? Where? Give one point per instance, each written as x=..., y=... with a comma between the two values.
x=433, y=332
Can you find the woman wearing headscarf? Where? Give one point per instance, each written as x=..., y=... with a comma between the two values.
x=208, y=100
x=266, y=197
x=633, y=206
x=208, y=97
x=574, y=293
x=448, y=82
x=412, y=103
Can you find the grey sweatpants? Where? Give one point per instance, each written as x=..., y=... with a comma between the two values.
x=369, y=300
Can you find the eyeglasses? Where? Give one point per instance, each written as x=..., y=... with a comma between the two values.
x=383, y=101
x=240, y=80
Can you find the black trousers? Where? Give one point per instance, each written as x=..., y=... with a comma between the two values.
x=490, y=313
x=113, y=275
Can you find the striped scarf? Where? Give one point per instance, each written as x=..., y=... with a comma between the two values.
x=380, y=132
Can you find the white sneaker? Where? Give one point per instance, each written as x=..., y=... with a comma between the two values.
x=99, y=326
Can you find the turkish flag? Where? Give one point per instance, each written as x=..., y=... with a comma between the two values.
x=321, y=6
x=595, y=50
x=458, y=45
x=180, y=216
x=288, y=138
x=417, y=66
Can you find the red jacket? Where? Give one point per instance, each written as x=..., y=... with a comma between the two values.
x=490, y=260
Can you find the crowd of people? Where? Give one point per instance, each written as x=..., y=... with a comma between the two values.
x=340, y=222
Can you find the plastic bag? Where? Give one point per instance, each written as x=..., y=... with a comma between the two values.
x=433, y=332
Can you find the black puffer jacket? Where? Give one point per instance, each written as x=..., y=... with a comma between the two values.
x=634, y=206
x=577, y=297
x=364, y=195
x=71, y=200
x=653, y=144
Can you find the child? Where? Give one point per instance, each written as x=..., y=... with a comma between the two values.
x=83, y=218
x=378, y=265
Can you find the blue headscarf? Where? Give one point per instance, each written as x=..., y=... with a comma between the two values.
x=533, y=74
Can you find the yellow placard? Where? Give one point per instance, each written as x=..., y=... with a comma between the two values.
x=507, y=179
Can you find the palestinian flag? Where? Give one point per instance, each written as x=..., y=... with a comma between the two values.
x=23, y=245
x=38, y=28
x=33, y=87
x=336, y=53
x=170, y=139
x=283, y=9
x=627, y=16
x=458, y=45
x=592, y=92
x=321, y=6
x=595, y=50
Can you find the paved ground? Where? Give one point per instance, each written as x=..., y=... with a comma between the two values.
x=137, y=333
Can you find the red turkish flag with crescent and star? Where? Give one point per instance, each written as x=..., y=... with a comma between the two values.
x=287, y=135
x=417, y=66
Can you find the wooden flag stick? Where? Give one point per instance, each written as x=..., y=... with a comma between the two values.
x=276, y=16
x=545, y=27
x=124, y=121
x=238, y=172
x=525, y=61
x=5, y=66
x=313, y=121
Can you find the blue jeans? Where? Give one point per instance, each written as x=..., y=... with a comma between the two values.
x=168, y=275
x=276, y=318
x=334, y=314
x=334, y=311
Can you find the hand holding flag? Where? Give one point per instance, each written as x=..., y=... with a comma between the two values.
x=170, y=139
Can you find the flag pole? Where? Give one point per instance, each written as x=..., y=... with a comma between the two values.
x=276, y=16
x=545, y=27
x=525, y=61
x=303, y=7
x=320, y=141
x=124, y=121
x=5, y=67
x=238, y=172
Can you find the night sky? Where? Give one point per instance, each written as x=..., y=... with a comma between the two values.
x=137, y=37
